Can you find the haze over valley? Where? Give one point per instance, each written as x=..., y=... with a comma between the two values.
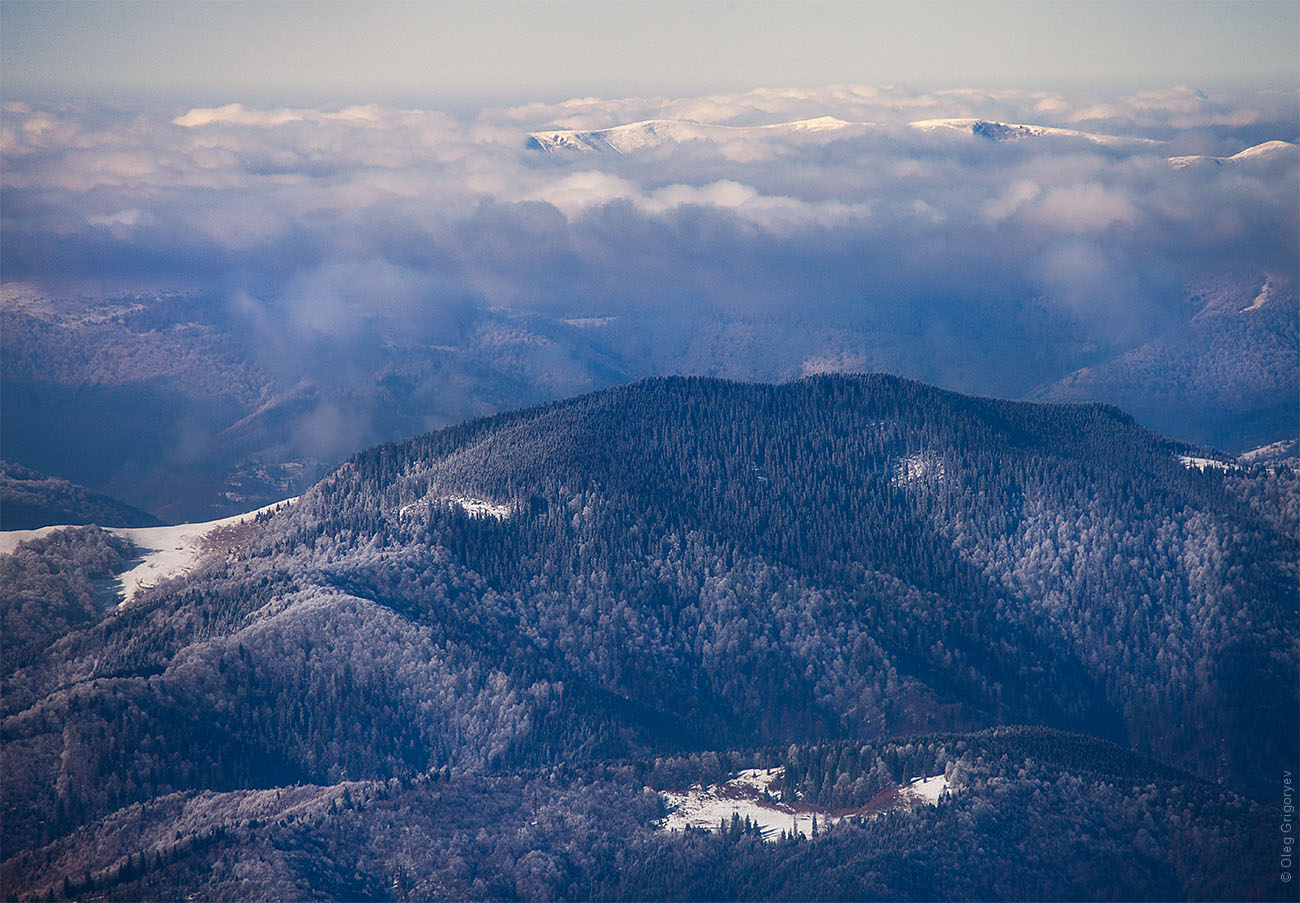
x=205, y=309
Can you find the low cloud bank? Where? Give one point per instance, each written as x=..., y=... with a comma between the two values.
x=341, y=234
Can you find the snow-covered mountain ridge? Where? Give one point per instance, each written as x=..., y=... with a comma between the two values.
x=635, y=136
x=1269, y=150
x=653, y=133
x=1008, y=131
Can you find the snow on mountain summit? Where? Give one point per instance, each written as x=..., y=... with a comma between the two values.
x=1005, y=131
x=1269, y=150
x=623, y=139
x=1266, y=149
x=635, y=136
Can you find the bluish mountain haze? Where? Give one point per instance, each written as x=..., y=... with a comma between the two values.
x=206, y=308
x=31, y=499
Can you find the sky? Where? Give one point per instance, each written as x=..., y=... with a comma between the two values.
x=448, y=54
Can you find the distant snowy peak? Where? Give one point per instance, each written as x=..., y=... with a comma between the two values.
x=1268, y=151
x=624, y=139
x=1009, y=131
x=650, y=133
x=635, y=136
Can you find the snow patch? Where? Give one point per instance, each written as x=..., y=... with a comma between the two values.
x=480, y=507
x=754, y=794
x=1274, y=451
x=1191, y=461
x=928, y=790
x=589, y=322
x=918, y=468
x=165, y=552
x=1194, y=160
x=474, y=507
x=1265, y=295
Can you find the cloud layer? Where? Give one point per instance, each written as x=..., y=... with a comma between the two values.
x=948, y=253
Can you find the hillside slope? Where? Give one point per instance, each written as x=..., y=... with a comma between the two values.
x=1031, y=814
x=1228, y=376
x=31, y=499
x=678, y=566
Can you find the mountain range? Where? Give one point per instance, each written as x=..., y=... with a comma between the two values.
x=638, y=136
x=482, y=663
x=161, y=402
x=651, y=133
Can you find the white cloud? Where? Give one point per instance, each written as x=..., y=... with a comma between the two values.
x=1011, y=199
x=875, y=210
x=1083, y=208
x=127, y=218
x=238, y=114
x=581, y=190
x=726, y=194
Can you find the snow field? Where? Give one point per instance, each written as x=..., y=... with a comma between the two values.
x=1190, y=461
x=164, y=552
x=753, y=794
x=474, y=507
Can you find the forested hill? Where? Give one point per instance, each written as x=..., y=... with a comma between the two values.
x=30, y=499
x=803, y=545
x=684, y=565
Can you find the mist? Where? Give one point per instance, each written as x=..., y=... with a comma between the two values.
x=334, y=249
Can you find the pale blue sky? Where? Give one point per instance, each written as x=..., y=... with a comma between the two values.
x=514, y=51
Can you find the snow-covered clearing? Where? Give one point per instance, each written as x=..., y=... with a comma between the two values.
x=1190, y=461
x=754, y=794
x=589, y=322
x=474, y=507
x=1274, y=451
x=746, y=795
x=165, y=551
x=918, y=468
x=927, y=789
